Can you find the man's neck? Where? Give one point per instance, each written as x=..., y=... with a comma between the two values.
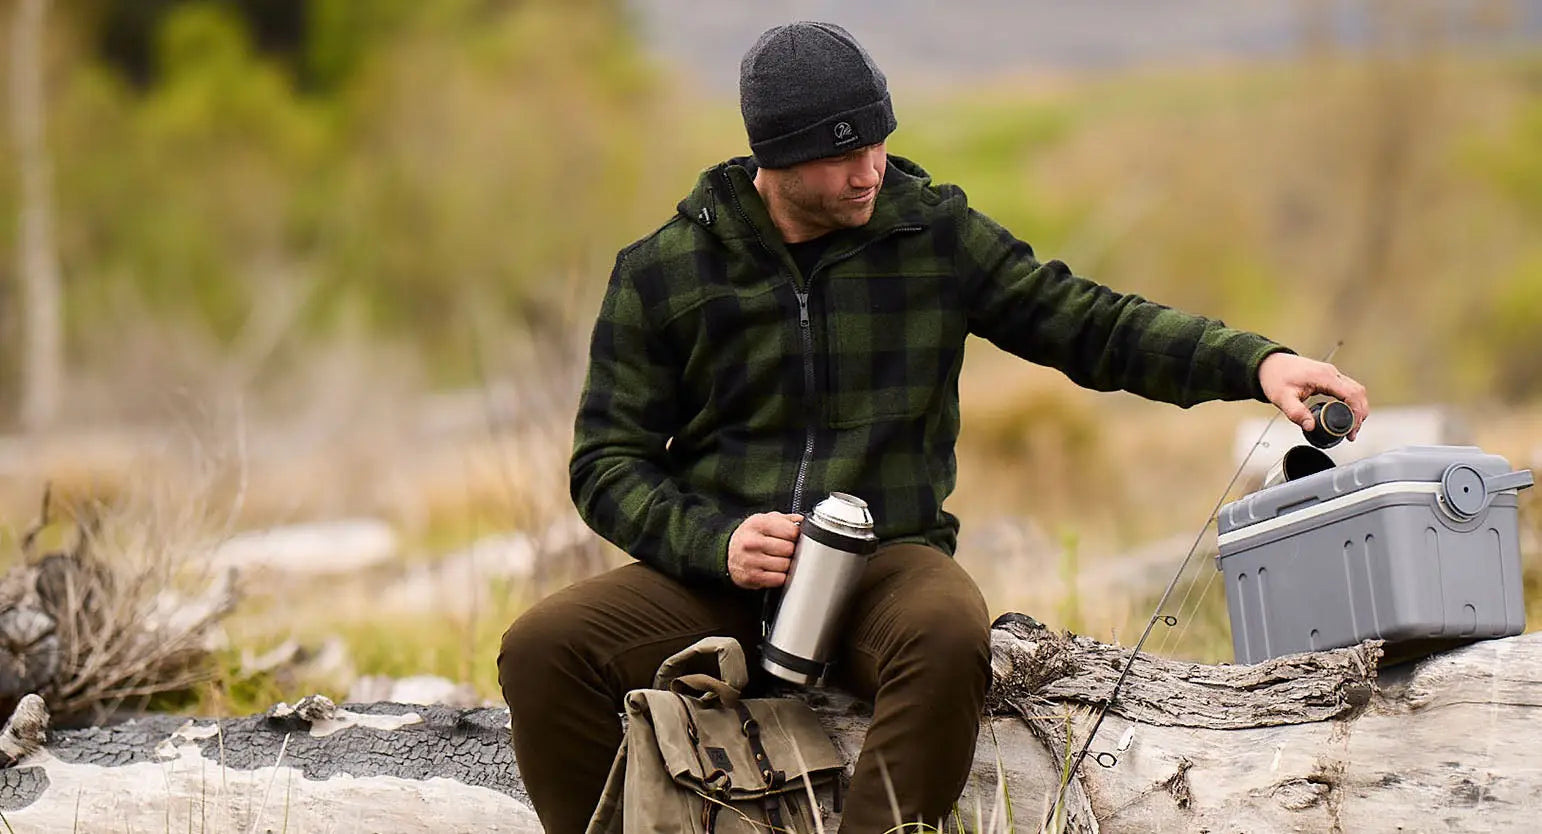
x=786, y=218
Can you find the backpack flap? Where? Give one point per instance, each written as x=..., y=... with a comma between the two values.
x=652, y=800
x=746, y=750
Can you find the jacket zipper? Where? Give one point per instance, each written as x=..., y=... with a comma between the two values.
x=808, y=356
x=806, y=334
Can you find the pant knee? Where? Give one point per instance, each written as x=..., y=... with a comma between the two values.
x=534, y=648
x=947, y=642
x=958, y=638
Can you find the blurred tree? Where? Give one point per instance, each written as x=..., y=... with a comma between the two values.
x=42, y=349
x=125, y=31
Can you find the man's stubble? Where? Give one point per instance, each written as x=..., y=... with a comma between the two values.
x=830, y=212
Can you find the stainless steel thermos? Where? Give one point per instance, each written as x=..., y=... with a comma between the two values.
x=834, y=542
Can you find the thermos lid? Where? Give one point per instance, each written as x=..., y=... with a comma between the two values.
x=1337, y=419
x=844, y=513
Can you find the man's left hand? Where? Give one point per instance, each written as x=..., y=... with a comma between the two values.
x=1288, y=379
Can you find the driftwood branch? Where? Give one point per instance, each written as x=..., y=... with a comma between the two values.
x=1316, y=742
x=1290, y=690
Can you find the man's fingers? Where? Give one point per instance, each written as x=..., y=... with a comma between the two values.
x=775, y=547
x=764, y=562
x=776, y=525
x=1296, y=411
x=760, y=550
x=1358, y=403
x=1352, y=393
x=761, y=579
x=1361, y=406
x=768, y=579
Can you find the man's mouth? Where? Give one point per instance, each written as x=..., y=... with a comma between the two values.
x=862, y=196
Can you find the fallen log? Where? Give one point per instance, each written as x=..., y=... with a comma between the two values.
x=1314, y=742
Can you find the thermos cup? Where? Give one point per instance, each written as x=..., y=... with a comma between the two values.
x=1299, y=462
x=834, y=542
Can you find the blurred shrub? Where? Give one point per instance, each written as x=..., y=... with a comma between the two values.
x=1510, y=323
x=1514, y=164
x=483, y=164
x=184, y=197
x=447, y=160
x=991, y=144
x=1514, y=332
x=1043, y=444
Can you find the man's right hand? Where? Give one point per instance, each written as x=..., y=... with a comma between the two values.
x=760, y=551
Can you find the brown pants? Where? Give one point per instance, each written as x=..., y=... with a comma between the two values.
x=917, y=645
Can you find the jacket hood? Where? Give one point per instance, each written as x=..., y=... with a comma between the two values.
x=725, y=202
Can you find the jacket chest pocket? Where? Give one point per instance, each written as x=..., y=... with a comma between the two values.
x=896, y=340
x=735, y=343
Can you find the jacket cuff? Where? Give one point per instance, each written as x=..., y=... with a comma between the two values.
x=1261, y=353
x=718, y=568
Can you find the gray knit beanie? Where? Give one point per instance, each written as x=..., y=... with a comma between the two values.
x=809, y=90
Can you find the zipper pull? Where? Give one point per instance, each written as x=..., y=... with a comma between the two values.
x=802, y=308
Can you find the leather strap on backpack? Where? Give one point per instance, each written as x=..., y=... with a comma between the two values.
x=768, y=773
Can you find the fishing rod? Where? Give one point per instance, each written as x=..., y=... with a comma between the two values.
x=1109, y=759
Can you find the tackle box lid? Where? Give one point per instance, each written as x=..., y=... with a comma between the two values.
x=1466, y=472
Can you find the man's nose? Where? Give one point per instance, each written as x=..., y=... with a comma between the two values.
x=869, y=171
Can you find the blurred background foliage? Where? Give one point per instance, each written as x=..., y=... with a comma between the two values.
x=316, y=205
x=259, y=176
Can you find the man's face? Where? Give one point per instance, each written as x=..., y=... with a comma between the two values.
x=836, y=192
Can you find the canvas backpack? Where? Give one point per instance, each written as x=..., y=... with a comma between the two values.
x=698, y=758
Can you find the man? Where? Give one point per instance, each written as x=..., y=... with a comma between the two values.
x=797, y=328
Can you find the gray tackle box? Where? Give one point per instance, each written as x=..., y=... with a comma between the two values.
x=1416, y=543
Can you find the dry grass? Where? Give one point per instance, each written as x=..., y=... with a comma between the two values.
x=123, y=611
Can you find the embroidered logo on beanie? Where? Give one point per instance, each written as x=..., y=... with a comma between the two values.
x=844, y=134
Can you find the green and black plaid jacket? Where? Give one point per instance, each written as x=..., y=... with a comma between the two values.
x=723, y=383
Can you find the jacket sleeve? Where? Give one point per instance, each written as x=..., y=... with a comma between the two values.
x=620, y=475
x=1101, y=339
